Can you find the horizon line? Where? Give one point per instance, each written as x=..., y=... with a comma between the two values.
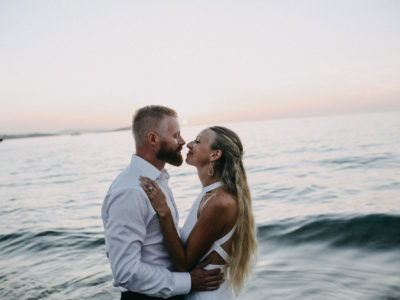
x=183, y=124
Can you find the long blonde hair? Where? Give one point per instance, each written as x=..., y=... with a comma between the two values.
x=230, y=171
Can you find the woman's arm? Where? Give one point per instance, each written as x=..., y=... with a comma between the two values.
x=214, y=218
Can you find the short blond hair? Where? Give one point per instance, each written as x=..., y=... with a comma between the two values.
x=147, y=119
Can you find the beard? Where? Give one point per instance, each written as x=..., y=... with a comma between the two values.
x=168, y=155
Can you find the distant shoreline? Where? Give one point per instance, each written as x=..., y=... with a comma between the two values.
x=68, y=132
x=4, y=137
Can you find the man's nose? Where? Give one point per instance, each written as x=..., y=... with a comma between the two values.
x=182, y=141
x=189, y=145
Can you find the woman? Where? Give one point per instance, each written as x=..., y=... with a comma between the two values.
x=220, y=226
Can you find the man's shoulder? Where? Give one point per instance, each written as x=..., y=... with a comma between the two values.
x=127, y=179
x=125, y=186
x=125, y=191
x=128, y=198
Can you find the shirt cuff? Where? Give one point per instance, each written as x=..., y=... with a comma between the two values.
x=183, y=283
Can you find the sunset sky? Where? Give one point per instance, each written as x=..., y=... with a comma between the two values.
x=90, y=64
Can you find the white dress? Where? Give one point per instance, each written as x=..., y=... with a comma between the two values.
x=225, y=290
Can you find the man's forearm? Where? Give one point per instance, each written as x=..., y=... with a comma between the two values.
x=151, y=280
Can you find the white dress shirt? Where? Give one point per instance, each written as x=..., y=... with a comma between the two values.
x=134, y=242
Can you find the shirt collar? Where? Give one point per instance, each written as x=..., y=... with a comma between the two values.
x=148, y=170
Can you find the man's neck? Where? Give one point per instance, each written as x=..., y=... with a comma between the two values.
x=151, y=159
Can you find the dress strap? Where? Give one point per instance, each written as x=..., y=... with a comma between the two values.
x=217, y=246
x=192, y=218
x=226, y=237
x=210, y=187
x=221, y=251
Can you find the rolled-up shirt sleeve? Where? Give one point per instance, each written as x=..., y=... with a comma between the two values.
x=125, y=217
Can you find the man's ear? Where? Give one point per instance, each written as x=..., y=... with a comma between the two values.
x=152, y=138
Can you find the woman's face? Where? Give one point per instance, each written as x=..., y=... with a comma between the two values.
x=200, y=149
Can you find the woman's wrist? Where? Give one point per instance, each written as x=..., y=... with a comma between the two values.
x=164, y=212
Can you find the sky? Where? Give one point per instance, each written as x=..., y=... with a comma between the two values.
x=80, y=64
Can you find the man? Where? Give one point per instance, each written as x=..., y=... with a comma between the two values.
x=139, y=261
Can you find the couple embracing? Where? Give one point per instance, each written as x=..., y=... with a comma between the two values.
x=214, y=252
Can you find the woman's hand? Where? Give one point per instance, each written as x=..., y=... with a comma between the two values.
x=156, y=196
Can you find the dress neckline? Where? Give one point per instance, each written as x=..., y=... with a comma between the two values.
x=211, y=187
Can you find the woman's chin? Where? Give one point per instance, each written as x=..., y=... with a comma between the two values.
x=188, y=162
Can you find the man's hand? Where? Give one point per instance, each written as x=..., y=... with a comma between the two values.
x=206, y=280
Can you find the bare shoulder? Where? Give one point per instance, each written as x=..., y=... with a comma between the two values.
x=221, y=208
x=221, y=201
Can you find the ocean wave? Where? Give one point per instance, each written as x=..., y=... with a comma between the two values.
x=350, y=162
x=50, y=239
x=374, y=231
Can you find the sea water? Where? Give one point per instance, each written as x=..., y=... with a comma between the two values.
x=326, y=198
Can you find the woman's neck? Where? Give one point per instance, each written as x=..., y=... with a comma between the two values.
x=205, y=179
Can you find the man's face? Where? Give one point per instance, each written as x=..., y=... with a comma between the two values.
x=171, y=142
